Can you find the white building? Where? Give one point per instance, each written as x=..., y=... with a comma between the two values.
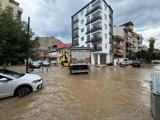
x=92, y=26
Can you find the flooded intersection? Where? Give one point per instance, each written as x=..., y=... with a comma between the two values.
x=110, y=93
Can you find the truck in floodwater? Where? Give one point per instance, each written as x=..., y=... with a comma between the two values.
x=80, y=59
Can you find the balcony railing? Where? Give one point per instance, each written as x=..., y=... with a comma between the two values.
x=93, y=10
x=93, y=20
x=75, y=29
x=97, y=49
x=75, y=36
x=75, y=21
x=75, y=43
x=96, y=18
x=97, y=38
x=94, y=29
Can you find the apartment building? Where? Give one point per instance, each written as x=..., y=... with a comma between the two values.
x=92, y=27
x=126, y=41
x=13, y=6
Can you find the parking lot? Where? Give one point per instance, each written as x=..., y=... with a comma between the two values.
x=106, y=93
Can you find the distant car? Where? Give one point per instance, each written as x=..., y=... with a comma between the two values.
x=45, y=63
x=35, y=64
x=136, y=63
x=155, y=61
x=124, y=61
x=18, y=84
x=54, y=62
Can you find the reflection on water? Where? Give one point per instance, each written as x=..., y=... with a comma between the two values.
x=111, y=93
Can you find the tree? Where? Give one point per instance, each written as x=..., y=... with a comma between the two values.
x=151, y=49
x=14, y=42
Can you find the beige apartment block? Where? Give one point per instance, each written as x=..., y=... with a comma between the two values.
x=13, y=6
x=126, y=41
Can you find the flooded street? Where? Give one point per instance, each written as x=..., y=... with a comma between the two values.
x=110, y=93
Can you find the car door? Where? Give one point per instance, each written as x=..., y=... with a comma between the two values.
x=5, y=87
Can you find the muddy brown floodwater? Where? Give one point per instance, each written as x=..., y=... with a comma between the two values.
x=110, y=93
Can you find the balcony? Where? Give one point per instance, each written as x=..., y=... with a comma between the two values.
x=97, y=49
x=97, y=38
x=75, y=43
x=96, y=18
x=75, y=21
x=75, y=29
x=93, y=10
x=94, y=29
x=75, y=36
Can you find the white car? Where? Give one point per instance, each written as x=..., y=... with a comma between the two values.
x=18, y=84
x=45, y=63
x=124, y=61
x=35, y=64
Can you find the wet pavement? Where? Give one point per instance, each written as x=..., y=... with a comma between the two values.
x=110, y=93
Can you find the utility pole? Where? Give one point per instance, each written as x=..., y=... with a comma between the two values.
x=28, y=28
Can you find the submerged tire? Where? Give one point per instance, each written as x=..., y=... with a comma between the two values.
x=23, y=91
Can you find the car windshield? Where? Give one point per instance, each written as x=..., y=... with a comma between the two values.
x=12, y=73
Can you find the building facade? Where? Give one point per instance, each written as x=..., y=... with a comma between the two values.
x=92, y=27
x=45, y=44
x=126, y=41
x=13, y=6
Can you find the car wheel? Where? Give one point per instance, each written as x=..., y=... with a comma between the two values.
x=23, y=91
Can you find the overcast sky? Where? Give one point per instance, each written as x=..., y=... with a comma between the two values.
x=53, y=17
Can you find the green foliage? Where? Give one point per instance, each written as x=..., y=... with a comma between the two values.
x=150, y=54
x=14, y=42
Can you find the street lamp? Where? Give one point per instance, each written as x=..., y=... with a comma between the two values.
x=28, y=28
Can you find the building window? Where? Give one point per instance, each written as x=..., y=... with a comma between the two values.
x=88, y=45
x=82, y=38
x=105, y=16
x=82, y=21
x=105, y=36
x=82, y=30
x=105, y=26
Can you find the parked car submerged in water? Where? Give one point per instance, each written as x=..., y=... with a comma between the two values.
x=18, y=84
x=35, y=64
x=124, y=61
x=136, y=63
x=45, y=63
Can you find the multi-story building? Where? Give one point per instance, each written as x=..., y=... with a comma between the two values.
x=13, y=6
x=126, y=41
x=45, y=44
x=92, y=26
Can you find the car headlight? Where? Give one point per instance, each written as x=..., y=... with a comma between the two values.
x=37, y=81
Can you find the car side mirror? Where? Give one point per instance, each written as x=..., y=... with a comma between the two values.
x=3, y=80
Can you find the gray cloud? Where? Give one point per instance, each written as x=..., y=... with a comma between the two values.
x=53, y=17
